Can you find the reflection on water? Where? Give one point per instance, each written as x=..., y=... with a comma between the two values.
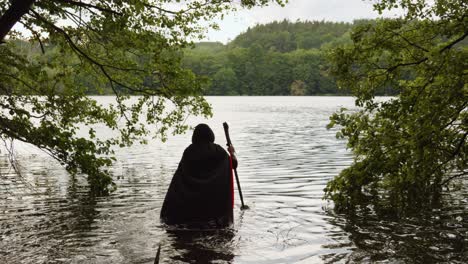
x=427, y=236
x=188, y=246
x=286, y=157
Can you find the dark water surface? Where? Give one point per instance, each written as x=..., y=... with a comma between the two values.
x=286, y=157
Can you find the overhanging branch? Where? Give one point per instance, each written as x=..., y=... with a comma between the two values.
x=89, y=6
x=17, y=9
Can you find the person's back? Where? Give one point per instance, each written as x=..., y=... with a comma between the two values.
x=201, y=191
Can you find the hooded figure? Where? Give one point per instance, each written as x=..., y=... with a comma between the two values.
x=201, y=191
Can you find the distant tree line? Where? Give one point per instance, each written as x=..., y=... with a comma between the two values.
x=280, y=58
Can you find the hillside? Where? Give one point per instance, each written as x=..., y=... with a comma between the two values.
x=280, y=58
x=287, y=36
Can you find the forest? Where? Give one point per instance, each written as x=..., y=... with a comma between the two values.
x=279, y=58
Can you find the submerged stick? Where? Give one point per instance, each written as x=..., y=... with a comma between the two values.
x=229, y=143
x=158, y=255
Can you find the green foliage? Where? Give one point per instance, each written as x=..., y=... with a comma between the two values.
x=126, y=47
x=224, y=78
x=255, y=58
x=267, y=59
x=286, y=36
x=297, y=88
x=407, y=147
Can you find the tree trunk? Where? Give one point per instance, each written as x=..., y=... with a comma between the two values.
x=17, y=9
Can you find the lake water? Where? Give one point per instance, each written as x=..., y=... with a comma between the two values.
x=286, y=157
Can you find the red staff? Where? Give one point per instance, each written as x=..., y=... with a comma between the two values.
x=229, y=143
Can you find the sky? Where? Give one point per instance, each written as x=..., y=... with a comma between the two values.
x=328, y=10
x=239, y=21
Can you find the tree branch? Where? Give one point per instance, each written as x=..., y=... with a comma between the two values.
x=454, y=42
x=88, y=6
x=409, y=42
x=394, y=67
x=76, y=48
x=453, y=154
x=21, y=81
x=453, y=177
x=17, y=9
x=36, y=34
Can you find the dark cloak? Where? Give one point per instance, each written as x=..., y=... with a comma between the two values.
x=200, y=193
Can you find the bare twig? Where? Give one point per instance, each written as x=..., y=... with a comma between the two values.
x=89, y=6
x=464, y=173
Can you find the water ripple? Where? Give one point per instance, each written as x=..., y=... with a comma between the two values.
x=286, y=158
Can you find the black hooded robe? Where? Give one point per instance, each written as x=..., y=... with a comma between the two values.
x=201, y=191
